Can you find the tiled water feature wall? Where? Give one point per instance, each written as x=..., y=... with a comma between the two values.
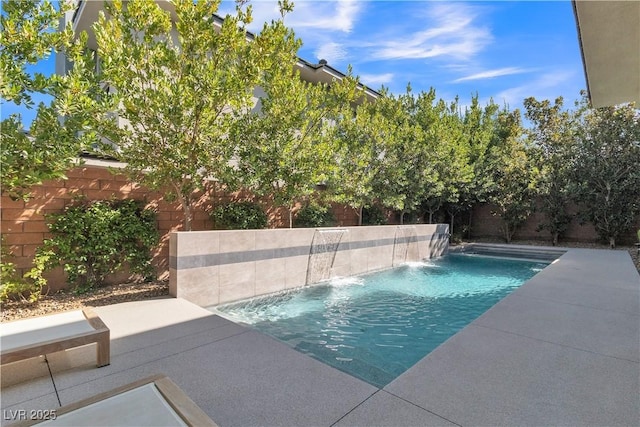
x=215, y=267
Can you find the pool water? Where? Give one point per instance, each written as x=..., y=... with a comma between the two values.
x=377, y=326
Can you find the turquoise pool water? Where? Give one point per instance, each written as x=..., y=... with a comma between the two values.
x=377, y=326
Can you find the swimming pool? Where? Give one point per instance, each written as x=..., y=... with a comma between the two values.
x=378, y=325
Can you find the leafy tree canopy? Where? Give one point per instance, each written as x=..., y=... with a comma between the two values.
x=180, y=87
x=286, y=147
x=605, y=175
x=363, y=141
x=552, y=136
x=62, y=128
x=513, y=176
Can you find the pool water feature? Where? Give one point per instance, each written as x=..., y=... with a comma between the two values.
x=323, y=252
x=378, y=325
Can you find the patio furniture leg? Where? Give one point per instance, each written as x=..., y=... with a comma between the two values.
x=103, y=351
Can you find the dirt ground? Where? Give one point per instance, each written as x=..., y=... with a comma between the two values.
x=65, y=300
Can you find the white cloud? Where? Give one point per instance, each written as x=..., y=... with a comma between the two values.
x=333, y=16
x=338, y=15
x=376, y=79
x=331, y=51
x=453, y=32
x=489, y=74
x=322, y=25
x=547, y=86
x=263, y=11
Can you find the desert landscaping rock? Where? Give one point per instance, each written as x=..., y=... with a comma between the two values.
x=65, y=300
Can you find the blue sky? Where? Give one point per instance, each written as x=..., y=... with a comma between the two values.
x=505, y=50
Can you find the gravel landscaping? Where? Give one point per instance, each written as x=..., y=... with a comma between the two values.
x=64, y=300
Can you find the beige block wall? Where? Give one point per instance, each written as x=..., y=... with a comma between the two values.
x=216, y=267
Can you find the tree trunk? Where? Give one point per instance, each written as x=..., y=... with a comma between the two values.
x=452, y=218
x=401, y=217
x=188, y=218
x=612, y=242
x=360, y=215
x=290, y=217
x=555, y=238
x=186, y=210
x=430, y=217
x=91, y=278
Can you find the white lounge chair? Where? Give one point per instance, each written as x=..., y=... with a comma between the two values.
x=153, y=401
x=23, y=339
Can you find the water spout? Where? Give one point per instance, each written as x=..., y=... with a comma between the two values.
x=322, y=254
x=405, y=235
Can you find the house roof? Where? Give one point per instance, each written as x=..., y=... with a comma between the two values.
x=87, y=13
x=609, y=35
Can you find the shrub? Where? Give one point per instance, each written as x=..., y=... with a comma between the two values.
x=373, y=216
x=314, y=215
x=95, y=239
x=14, y=286
x=239, y=216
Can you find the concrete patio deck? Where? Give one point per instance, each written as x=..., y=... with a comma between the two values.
x=563, y=349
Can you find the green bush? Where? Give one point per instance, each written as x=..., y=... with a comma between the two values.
x=239, y=216
x=14, y=286
x=314, y=215
x=95, y=239
x=373, y=216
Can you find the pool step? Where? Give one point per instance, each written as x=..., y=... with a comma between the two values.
x=541, y=253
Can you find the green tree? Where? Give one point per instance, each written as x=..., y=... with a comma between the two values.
x=513, y=176
x=179, y=87
x=431, y=116
x=552, y=136
x=363, y=141
x=605, y=170
x=410, y=169
x=62, y=128
x=459, y=177
x=286, y=148
x=479, y=124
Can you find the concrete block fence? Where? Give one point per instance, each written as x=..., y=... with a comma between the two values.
x=215, y=267
x=24, y=224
